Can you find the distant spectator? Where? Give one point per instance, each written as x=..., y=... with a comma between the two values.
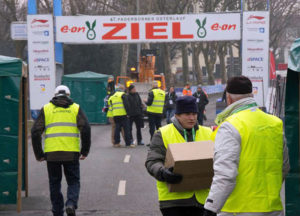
x=135, y=113
x=155, y=105
x=202, y=101
x=187, y=90
x=170, y=104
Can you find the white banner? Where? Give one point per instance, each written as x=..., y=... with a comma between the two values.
x=148, y=28
x=41, y=60
x=256, y=49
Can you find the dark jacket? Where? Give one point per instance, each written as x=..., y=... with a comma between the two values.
x=39, y=127
x=135, y=104
x=170, y=97
x=202, y=100
x=156, y=159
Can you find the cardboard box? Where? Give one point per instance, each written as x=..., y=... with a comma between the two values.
x=193, y=160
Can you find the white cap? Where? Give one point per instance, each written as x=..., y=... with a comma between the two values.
x=62, y=90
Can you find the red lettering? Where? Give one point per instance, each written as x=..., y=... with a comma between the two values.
x=224, y=27
x=177, y=33
x=215, y=27
x=232, y=26
x=135, y=31
x=64, y=29
x=74, y=29
x=111, y=34
x=81, y=29
x=150, y=30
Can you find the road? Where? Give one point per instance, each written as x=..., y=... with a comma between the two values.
x=101, y=174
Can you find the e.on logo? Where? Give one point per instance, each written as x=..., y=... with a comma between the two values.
x=224, y=27
x=74, y=29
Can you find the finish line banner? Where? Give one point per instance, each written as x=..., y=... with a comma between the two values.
x=148, y=28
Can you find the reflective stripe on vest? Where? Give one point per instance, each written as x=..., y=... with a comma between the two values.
x=157, y=105
x=116, y=103
x=61, y=132
x=170, y=135
x=259, y=179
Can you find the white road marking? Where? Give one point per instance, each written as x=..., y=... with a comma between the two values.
x=122, y=188
x=127, y=158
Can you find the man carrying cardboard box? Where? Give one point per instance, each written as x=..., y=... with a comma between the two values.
x=250, y=159
x=184, y=128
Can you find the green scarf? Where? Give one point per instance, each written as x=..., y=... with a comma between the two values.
x=235, y=107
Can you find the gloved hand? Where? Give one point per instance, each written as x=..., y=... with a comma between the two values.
x=170, y=177
x=207, y=212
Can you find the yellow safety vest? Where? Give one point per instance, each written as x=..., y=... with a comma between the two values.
x=157, y=105
x=116, y=103
x=109, y=111
x=61, y=132
x=171, y=135
x=259, y=179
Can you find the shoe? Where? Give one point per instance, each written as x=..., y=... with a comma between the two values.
x=132, y=146
x=141, y=143
x=70, y=210
x=117, y=145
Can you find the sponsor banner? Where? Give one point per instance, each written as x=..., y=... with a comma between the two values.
x=255, y=52
x=41, y=59
x=148, y=28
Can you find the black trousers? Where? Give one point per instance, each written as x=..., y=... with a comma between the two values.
x=182, y=211
x=138, y=120
x=154, y=122
x=200, y=116
x=122, y=122
x=72, y=174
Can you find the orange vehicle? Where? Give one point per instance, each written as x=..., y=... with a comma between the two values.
x=144, y=79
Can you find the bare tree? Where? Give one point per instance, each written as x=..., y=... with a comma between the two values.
x=197, y=67
x=222, y=51
x=10, y=11
x=282, y=17
x=171, y=7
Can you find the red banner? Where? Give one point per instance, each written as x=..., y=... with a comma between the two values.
x=272, y=66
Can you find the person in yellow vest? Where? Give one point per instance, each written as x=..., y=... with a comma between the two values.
x=184, y=128
x=63, y=121
x=118, y=105
x=155, y=107
x=250, y=159
x=108, y=110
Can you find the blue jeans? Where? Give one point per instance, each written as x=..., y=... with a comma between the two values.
x=169, y=114
x=72, y=174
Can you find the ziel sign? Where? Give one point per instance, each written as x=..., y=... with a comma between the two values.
x=148, y=28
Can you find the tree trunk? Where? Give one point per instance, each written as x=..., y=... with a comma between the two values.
x=197, y=67
x=185, y=63
x=223, y=68
x=167, y=65
x=124, y=60
x=222, y=54
x=230, y=71
x=20, y=45
x=210, y=72
x=209, y=50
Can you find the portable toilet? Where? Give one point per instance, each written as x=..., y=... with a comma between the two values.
x=88, y=89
